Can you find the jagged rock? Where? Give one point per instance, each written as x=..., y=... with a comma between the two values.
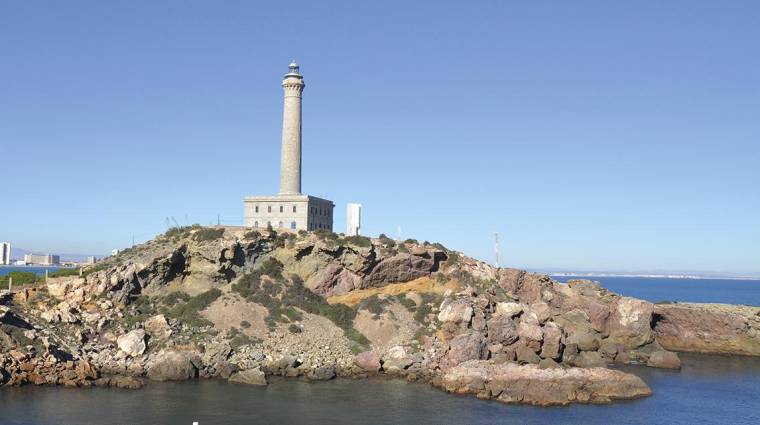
x=396, y=359
x=547, y=364
x=368, y=361
x=322, y=373
x=508, y=309
x=458, y=311
x=132, y=343
x=501, y=329
x=157, y=327
x=630, y=322
x=529, y=384
x=552, y=347
x=249, y=377
x=171, y=365
x=527, y=354
x=467, y=346
x=664, y=359
x=402, y=268
x=125, y=382
x=587, y=359
x=585, y=341
x=529, y=330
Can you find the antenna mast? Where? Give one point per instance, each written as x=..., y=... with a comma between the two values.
x=496, y=248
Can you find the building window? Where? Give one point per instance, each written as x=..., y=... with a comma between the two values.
x=269, y=208
x=280, y=225
x=293, y=225
x=281, y=208
x=294, y=208
x=256, y=208
x=269, y=224
x=255, y=224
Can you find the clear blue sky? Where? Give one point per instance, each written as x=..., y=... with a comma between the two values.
x=589, y=134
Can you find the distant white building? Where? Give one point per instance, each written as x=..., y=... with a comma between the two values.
x=45, y=260
x=114, y=252
x=5, y=253
x=353, y=219
x=91, y=259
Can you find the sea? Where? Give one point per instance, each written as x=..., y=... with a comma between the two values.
x=707, y=390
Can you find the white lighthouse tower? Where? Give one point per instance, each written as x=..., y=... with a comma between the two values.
x=290, y=209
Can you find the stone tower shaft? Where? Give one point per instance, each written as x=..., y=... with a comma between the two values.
x=290, y=165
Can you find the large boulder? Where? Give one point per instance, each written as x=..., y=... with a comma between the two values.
x=463, y=347
x=629, y=323
x=531, y=384
x=457, y=311
x=402, y=268
x=501, y=330
x=249, y=377
x=132, y=343
x=552, y=347
x=368, y=361
x=396, y=359
x=157, y=327
x=171, y=365
x=664, y=359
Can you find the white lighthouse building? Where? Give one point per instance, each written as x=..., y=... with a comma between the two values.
x=290, y=209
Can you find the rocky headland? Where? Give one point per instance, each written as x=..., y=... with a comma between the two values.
x=245, y=305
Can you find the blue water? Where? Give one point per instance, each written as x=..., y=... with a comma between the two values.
x=40, y=270
x=709, y=390
x=728, y=291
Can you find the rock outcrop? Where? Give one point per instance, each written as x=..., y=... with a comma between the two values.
x=531, y=384
x=242, y=305
x=708, y=328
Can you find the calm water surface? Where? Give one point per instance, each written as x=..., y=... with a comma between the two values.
x=729, y=291
x=708, y=390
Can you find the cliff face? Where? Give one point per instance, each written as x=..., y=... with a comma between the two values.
x=242, y=305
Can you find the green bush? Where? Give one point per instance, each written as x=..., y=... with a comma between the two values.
x=361, y=241
x=325, y=234
x=189, y=311
x=175, y=297
x=253, y=234
x=453, y=259
x=19, y=278
x=385, y=240
x=272, y=268
x=412, y=241
x=208, y=234
x=65, y=272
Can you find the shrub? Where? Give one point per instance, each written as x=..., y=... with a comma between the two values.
x=253, y=234
x=245, y=324
x=19, y=278
x=374, y=305
x=175, y=297
x=325, y=234
x=385, y=240
x=65, y=272
x=361, y=241
x=208, y=234
x=412, y=241
x=440, y=246
x=272, y=268
x=453, y=259
x=406, y=302
x=293, y=328
x=188, y=312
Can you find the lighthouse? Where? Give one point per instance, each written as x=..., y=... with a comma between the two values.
x=290, y=208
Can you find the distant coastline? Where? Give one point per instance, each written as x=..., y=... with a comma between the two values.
x=649, y=276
